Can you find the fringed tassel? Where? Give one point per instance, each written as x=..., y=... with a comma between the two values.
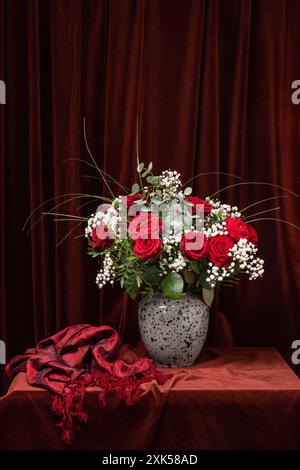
x=69, y=406
x=127, y=389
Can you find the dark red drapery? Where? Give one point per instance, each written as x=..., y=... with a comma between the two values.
x=211, y=82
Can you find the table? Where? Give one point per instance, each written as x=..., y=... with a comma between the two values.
x=232, y=398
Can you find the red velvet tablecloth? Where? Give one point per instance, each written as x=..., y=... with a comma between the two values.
x=233, y=398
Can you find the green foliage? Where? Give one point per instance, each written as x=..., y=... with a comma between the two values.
x=188, y=191
x=140, y=167
x=201, y=281
x=208, y=296
x=135, y=188
x=195, y=266
x=172, y=286
x=148, y=293
x=132, y=288
x=93, y=253
x=189, y=276
x=151, y=275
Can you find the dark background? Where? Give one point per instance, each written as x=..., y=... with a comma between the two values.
x=211, y=82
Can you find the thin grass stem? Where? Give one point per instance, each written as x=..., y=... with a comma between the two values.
x=255, y=182
x=262, y=212
x=275, y=220
x=262, y=200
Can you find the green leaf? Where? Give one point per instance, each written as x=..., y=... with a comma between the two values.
x=140, y=167
x=172, y=286
x=203, y=282
x=146, y=172
x=151, y=275
x=195, y=266
x=93, y=253
x=188, y=191
x=208, y=296
x=150, y=166
x=138, y=281
x=135, y=188
x=189, y=276
x=132, y=289
x=148, y=293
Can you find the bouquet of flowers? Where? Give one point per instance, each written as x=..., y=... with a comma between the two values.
x=171, y=246
x=162, y=238
x=159, y=237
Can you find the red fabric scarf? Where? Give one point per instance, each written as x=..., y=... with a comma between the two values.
x=79, y=356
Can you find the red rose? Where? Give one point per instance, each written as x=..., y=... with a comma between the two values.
x=101, y=238
x=219, y=247
x=194, y=245
x=236, y=228
x=129, y=200
x=252, y=234
x=145, y=226
x=195, y=201
x=149, y=248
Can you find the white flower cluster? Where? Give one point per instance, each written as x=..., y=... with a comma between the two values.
x=107, y=273
x=91, y=224
x=169, y=186
x=222, y=210
x=244, y=253
x=218, y=228
x=217, y=225
x=218, y=273
x=173, y=264
x=110, y=219
x=171, y=241
x=173, y=259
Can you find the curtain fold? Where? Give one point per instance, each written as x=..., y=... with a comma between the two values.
x=211, y=84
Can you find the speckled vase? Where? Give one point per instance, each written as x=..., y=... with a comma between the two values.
x=173, y=331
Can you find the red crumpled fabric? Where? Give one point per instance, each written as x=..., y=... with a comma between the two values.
x=76, y=357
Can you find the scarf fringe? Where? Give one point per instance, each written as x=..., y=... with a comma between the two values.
x=69, y=406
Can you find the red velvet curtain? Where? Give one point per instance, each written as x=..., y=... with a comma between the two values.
x=211, y=82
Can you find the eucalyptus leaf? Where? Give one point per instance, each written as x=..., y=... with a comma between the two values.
x=157, y=202
x=135, y=188
x=140, y=201
x=151, y=179
x=150, y=166
x=208, y=296
x=188, y=203
x=188, y=191
x=172, y=286
x=145, y=173
x=140, y=167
